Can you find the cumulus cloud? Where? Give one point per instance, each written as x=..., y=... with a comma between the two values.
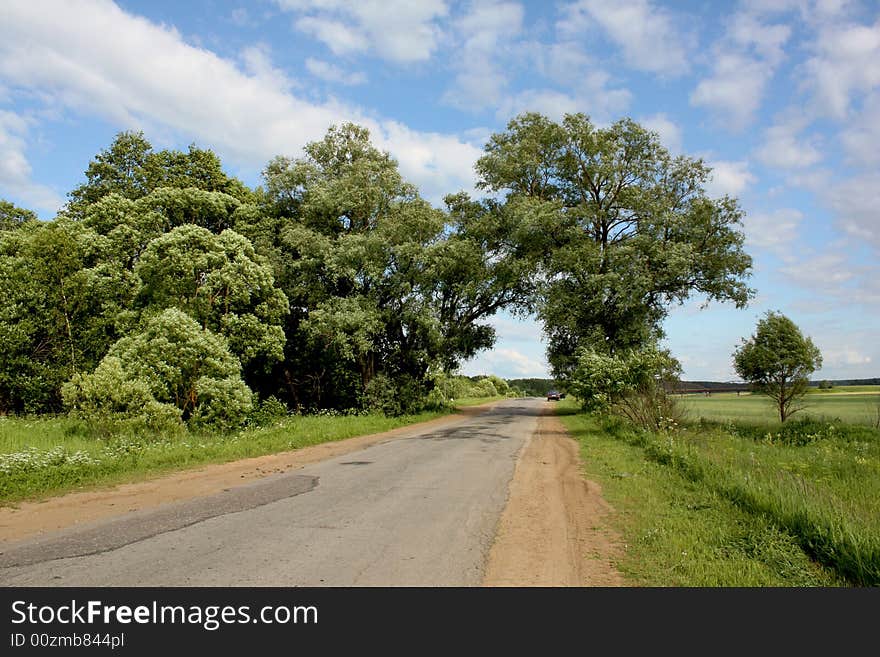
x=783, y=148
x=777, y=230
x=506, y=363
x=331, y=73
x=397, y=30
x=729, y=177
x=133, y=72
x=669, y=131
x=745, y=60
x=846, y=62
x=484, y=36
x=15, y=170
x=861, y=135
x=646, y=34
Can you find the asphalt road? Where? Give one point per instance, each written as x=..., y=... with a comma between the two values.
x=418, y=510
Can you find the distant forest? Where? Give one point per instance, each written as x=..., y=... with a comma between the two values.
x=713, y=385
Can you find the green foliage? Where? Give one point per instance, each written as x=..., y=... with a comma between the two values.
x=267, y=412
x=111, y=402
x=825, y=384
x=171, y=363
x=617, y=228
x=131, y=169
x=13, y=217
x=220, y=282
x=380, y=282
x=632, y=384
x=778, y=360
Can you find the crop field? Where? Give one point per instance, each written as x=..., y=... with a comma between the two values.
x=849, y=404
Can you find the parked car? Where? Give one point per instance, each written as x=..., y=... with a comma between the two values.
x=553, y=395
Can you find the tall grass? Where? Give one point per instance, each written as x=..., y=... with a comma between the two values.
x=817, y=483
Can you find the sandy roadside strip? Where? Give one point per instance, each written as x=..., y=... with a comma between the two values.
x=31, y=518
x=553, y=531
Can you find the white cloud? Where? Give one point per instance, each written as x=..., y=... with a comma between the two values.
x=861, y=135
x=506, y=363
x=15, y=170
x=775, y=230
x=330, y=73
x=339, y=37
x=847, y=62
x=824, y=271
x=592, y=97
x=729, y=177
x=782, y=148
x=734, y=90
x=132, y=72
x=396, y=30
x=646, y=34
x=484, y=36
x=745, y=60
x=856, y=203
x=669, y=131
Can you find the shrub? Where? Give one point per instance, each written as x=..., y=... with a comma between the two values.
x=172, y=368
x=631, y=384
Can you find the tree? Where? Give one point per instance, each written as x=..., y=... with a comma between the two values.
x=219, y=281
x=171, y=368
x=778, y=360
x=12, y=216
x=631, y=383
x=618, y=230
x=131, y=168
x=379, y=281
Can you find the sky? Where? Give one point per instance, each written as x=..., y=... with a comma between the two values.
x=780, y=98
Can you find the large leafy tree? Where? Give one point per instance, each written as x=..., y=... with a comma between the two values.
x=379, y=281
x=131, y=168
x=778, y=360
x=219, y=281
x=63, y=305
x=618, y=228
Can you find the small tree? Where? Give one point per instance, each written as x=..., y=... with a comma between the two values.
x=631, y=384
x=778, y=360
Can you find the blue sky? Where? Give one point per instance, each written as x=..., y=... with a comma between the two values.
x=781, y=99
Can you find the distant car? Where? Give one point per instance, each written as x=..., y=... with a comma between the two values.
x=553, y=395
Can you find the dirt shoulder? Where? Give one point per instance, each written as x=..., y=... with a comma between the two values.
x=553, y=530
x=31, y=518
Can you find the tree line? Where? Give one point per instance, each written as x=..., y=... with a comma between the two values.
x=167, y=291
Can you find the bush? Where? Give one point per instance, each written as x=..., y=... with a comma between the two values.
x=170, y=371
x=267, y=412
x=631, y=384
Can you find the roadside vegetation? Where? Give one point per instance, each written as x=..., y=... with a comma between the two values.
x=721, y=502
x=40, y=456
x=51, y=454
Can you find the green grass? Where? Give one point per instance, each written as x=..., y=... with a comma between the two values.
x=849, y=404
x=476, y=401
x=739, y=504
x=48, y=456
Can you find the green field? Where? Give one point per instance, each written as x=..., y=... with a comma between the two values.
x=850, y=404
x=738, y=503
x=51, y=455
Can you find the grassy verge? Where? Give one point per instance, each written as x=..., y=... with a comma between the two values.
x=476, y=401
x=735, y=505
x=47, y=456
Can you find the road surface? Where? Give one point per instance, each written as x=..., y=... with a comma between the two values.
x=418, y=510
